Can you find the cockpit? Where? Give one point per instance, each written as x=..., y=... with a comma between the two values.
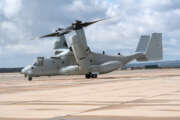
x=39, y=61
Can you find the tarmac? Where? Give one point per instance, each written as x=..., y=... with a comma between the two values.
x=120, y=95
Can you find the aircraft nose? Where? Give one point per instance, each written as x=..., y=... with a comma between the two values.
x=26, y=70
x=23, y=71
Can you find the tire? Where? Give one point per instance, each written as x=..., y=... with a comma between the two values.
x=94, y=75
x=30, y=78
x=87, y=76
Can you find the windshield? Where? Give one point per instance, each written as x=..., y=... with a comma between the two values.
x=39, y=61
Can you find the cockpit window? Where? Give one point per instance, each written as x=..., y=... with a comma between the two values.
x=39, y=61
x=35, y=64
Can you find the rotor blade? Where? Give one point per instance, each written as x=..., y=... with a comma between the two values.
x=85, y=24
x=64, y=32
x=50, y=35
x=69, y=28
x=56, y=34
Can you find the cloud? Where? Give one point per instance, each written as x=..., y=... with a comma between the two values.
x=10, y=8
x=22, y=20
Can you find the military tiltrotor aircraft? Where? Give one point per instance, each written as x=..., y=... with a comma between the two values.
x=78, y=59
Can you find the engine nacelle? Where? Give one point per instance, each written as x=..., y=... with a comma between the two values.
x=81, y=51
x=60, y=43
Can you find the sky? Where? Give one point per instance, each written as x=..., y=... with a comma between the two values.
x=22, y=20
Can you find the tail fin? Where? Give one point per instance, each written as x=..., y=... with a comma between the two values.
x=151, y=47
x=143, y=43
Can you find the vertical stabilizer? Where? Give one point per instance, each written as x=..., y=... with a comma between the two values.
x=150, y=47
x=154, y=50
x=143, y=43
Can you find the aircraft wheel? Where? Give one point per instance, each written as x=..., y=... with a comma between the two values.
x=87, y=76
x=30, y=78
x=94, y=75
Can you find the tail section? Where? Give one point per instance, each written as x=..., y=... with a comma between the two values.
x=143, y=43
x=154, y=50
x=151, y=47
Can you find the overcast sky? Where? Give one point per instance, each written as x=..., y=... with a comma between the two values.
x=22, y=20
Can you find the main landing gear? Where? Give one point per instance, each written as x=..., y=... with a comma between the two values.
x=91, y=75
x=29, y=78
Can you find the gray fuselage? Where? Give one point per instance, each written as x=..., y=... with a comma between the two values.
x=100, y=63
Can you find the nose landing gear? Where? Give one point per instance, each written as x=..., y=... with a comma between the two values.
x=25, y=75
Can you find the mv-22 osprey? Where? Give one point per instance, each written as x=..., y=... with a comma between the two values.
x=78, y=59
